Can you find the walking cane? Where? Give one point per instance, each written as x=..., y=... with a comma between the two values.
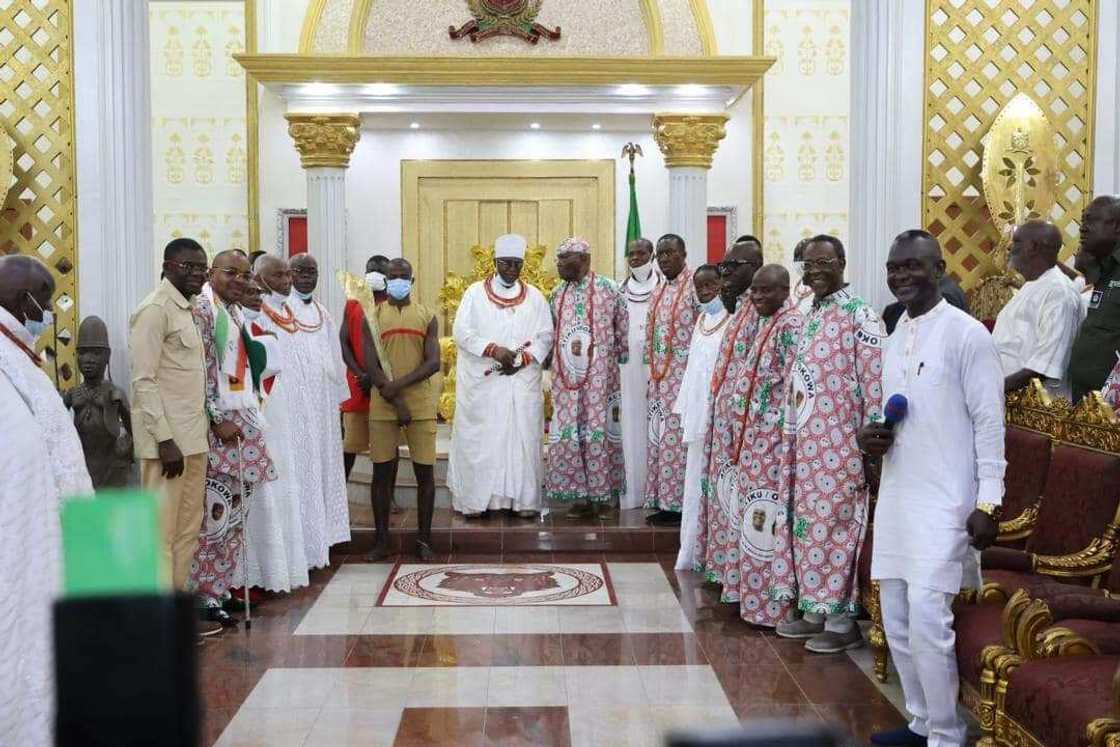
x=245, y=533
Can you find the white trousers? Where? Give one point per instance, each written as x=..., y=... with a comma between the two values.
x=919, y=625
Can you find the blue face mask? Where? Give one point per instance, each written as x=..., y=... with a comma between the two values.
x=713, y=307
x=302, y=296
x=399, y=288
x=34, y=327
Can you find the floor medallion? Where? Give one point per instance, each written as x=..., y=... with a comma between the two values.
x=494, y=585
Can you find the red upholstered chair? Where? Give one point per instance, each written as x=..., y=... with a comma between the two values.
x=1069, y=701
x=1028, y=459
x=1076, y=533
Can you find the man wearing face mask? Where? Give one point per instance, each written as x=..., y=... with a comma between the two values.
x=355, y=411
x=692, y=402
x=169, y=423
x=275, y=557
x=314, y=361
x=638, y=288
x=503, y=332
x=723, y=437
x=42, y=464
x=672, y=316
x=406, y=401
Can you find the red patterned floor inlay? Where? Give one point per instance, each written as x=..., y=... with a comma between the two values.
x=497, y=585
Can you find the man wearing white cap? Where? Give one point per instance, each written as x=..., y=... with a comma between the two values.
x=503, y=332
x=585, y=462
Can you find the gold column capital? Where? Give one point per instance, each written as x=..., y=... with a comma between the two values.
x=689, y=139
x=324, y=139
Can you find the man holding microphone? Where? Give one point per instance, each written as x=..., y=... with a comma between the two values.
x=941, y=485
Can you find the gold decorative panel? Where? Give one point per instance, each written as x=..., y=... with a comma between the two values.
x=37, y=112
x=978, y=55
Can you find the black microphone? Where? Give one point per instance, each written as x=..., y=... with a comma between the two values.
x=894, y=412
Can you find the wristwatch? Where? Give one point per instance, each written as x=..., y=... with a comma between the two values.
x=991, y=509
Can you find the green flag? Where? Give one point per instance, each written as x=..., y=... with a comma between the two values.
x=633, y=222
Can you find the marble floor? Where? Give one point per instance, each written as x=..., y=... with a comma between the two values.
x=331, y=665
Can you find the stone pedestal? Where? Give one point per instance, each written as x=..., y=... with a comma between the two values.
x=688, y=142
x=325, y=142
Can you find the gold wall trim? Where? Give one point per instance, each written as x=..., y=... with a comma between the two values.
x=978, y=55
x=704, y=26
x=758, y=124
x=651, y=14
x=252, y=132
x=311, y=20
x=502, y=71
x=359, y=17
x=39, y=211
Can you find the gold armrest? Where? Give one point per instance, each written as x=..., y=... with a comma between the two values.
x=1021, y=526
x=1094, y=560
x=1103, y=732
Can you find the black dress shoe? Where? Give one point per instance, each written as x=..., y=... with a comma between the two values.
x=220, y=616
x=424, y=550
x=665, y=519
x=900, y=737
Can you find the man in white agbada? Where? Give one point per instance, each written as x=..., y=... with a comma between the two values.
x=313, y=364
x=275, y=556
x=42, y=464
x=1034, y=332
x=638, y=288
x=693, y=401
x=942, y=472
x=503, y=332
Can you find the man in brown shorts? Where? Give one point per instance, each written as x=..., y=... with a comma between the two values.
x=407, y=401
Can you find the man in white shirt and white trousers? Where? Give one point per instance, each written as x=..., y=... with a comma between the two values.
x=941, y=485
x=1034, y=332
x=503, y=332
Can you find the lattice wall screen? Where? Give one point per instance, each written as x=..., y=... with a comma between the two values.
x=979, y=54
x=36, y=110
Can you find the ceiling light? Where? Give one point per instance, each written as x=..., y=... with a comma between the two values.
x=414, y=126
x=691, y=90
x=534, y=125
x=381, y=89
x=596, y=126
x=317, y=89
x=632, y=89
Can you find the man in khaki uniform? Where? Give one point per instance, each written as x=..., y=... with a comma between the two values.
x=169, y=422
x=406, y=402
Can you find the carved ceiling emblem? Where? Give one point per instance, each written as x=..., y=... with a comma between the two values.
x=504, y=18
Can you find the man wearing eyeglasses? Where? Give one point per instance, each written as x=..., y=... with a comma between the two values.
x=836, y=391
x=169, y=422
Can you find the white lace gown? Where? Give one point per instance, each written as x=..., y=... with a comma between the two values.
x=316, y=363
x=635, y=380
x=275, y=552
x=693, y=406
x=41, y=462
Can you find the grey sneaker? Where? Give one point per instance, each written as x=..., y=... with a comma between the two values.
x=799, y=629
x=835, y=643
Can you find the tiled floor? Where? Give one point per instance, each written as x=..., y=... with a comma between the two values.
x=327, y=666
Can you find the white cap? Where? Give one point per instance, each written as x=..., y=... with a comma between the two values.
x=510, y=246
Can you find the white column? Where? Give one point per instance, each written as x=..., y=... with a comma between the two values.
x=688, y=142
x=886, y=137
x=325, y=142
x=326, y=231
x=688, y=210
x=1106, y=133
x=117, y=264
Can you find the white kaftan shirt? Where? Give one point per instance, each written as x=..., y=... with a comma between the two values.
x=495, y=461
x=947, y=454
x=1035, y=330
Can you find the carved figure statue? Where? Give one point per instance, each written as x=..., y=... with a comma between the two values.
x=101, y=413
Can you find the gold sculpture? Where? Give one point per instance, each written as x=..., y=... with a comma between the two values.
x=1019, y=172
x=451, y=295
